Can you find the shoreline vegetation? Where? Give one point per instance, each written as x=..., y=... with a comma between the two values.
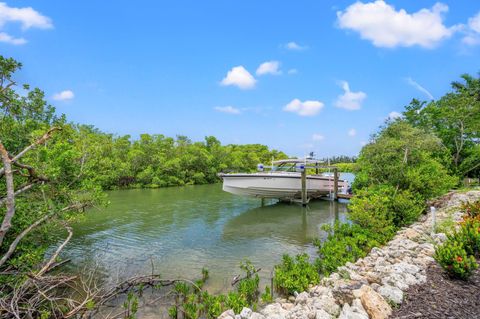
x=53, y=170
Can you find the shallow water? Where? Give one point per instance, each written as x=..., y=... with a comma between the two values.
x=182, y=229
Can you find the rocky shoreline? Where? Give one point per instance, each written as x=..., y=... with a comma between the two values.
x=370, y=287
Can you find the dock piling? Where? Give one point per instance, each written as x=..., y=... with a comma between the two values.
x=304, y=187
x=335, y=183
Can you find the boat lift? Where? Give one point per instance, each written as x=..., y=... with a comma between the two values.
x=334, y=194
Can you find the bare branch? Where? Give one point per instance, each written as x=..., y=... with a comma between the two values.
x=17, y=192
x=14, y=244
x=55, y=255
x=40, y=141
x=25, y=232
x=10, y=198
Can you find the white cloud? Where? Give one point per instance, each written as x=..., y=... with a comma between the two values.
x=411, y=82
x=295, y=46
x=64, y=95
x=318, y=137
x=306, y=108
x=27, y=17
x=471, y=39
x=352, y=132
x=382, y=24
x=472, y=36
x=227, y=109
x=363, y=143
x=394, y=115
x=4, y=37
x=239, y=76
x=292, y=71
x=474, y=22
x=350, y=100
x=269, y=67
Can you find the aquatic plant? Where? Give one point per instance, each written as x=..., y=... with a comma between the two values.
x=295, y=274
x=193, y=302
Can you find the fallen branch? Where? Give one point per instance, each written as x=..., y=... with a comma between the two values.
x=55, y=255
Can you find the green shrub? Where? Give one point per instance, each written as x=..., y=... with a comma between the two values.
x=371, y=209
x=406, y=207
x=295, y=274
x=469, y=236
x=383, y=208
x=345, y=243
x=472, y=209
x=454, y=259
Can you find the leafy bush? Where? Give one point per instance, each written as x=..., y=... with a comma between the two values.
x=406, y=158
x=371, y=208
x=345, y=243
x=472, y=209
x=295, y=274
x=469, y=236
x=382, y=208
x=453, y=257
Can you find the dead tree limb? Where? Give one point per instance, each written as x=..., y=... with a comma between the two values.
x=10, y=198
x=55, y=255
x=40, y=141
x=27, y=230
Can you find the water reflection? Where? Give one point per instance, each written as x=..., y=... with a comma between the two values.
x=180, y=230
x=284, y=222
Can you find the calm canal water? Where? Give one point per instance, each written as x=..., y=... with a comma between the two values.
x=180, y=230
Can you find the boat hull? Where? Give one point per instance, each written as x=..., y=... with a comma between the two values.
x=279, y=185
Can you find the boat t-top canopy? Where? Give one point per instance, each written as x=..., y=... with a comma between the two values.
x=297, y=160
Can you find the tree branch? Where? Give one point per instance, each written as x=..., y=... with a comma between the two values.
x=40, y=141
x=55, y=255
x=14, y=244
x=27, y=230
x=17, y=192
x=10, y=198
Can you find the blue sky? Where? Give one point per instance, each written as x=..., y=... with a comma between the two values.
x=131, y=67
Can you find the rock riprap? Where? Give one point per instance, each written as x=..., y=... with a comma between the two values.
x=369, y=287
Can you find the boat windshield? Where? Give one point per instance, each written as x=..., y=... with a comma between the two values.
x=285, y=167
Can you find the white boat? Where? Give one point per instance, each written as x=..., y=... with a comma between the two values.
x=283, y=181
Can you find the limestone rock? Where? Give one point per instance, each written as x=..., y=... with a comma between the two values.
x=374, y=304
x=351, y=313
x=302, y=298
x=322, y=314
x=229, y=314
x=391, y=293
x=343, y=292
x=256, y=315
x=274, y=311
x=327, y=303
x=246, y=313
x=287, y=306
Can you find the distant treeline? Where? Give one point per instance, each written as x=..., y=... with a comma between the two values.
x=339, y=159
x=159, y=161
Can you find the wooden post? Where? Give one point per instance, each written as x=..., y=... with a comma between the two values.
x=335, y=183
x=304, y=187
